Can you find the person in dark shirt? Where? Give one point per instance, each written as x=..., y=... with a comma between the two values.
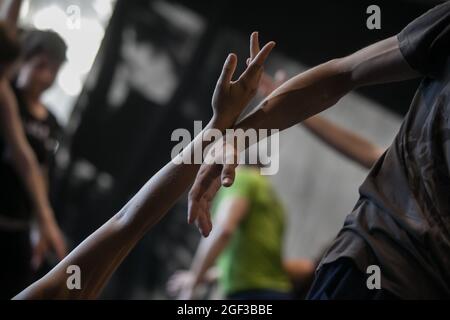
x=28, y=141
x=401, y=223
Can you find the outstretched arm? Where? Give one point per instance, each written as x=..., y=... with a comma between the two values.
x=24, y=161
x=102, y=252
x=303, y=96
x=9, y=12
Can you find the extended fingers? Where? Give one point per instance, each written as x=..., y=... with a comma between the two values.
x=254, y=45
x=227, y=71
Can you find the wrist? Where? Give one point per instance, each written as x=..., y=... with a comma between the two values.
x=45, y=217
x=220, y=123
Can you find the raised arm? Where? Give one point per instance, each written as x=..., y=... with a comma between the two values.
x=27, y=166
x=102, y=252
x=303, y=96
x=9, y=12
x=319, y=88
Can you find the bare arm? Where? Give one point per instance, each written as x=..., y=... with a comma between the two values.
x=303, y=96
x=319, y=88
x=27, y=166
x=299, y=270
x=102, y=252
x=9, y=12
x=230, y=213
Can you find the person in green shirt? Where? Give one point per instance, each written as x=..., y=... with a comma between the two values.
x=246, y=244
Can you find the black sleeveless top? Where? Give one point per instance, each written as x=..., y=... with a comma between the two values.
x=43, y=137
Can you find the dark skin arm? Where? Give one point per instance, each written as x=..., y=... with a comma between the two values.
x=301, y=97
x=9, y=13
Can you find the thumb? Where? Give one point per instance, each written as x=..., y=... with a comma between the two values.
x=228, y=174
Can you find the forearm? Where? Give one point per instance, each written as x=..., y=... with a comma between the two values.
x=207, y=254
x=319, y=88
x=9, y=11
x=21, y=154
x=117, y=237
x=344, y=141
x=299, y=269
x=30, y=173
x=301, y=97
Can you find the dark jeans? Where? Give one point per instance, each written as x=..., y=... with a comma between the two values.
x=15, y=262
x=342, y=280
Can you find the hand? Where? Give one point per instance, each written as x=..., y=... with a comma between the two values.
x=269, y=84
x=231, y=97
x=181, y=285
x=210, y=177
x=50, y=237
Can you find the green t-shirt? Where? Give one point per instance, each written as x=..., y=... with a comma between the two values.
x=253, y=258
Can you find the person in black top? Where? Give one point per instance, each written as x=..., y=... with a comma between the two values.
x=27, y=145
x=401, y=223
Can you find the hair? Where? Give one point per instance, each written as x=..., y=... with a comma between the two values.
x=48, y=42
x=10, y=46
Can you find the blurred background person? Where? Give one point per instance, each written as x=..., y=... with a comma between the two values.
x=23, y=187
x=246, y=243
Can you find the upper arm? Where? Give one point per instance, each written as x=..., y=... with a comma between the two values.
x=421, y=48
x=9, y=11
x=11, y=125
x=378, y=63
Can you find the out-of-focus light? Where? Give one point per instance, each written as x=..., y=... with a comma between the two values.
x=24, y=10
x=50, y=17
x=83, y=44
x=69, y=80
x=82, y=33
x=103, y=8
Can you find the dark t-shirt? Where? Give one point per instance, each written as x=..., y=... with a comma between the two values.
x=402, y=220
x=43, y=136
